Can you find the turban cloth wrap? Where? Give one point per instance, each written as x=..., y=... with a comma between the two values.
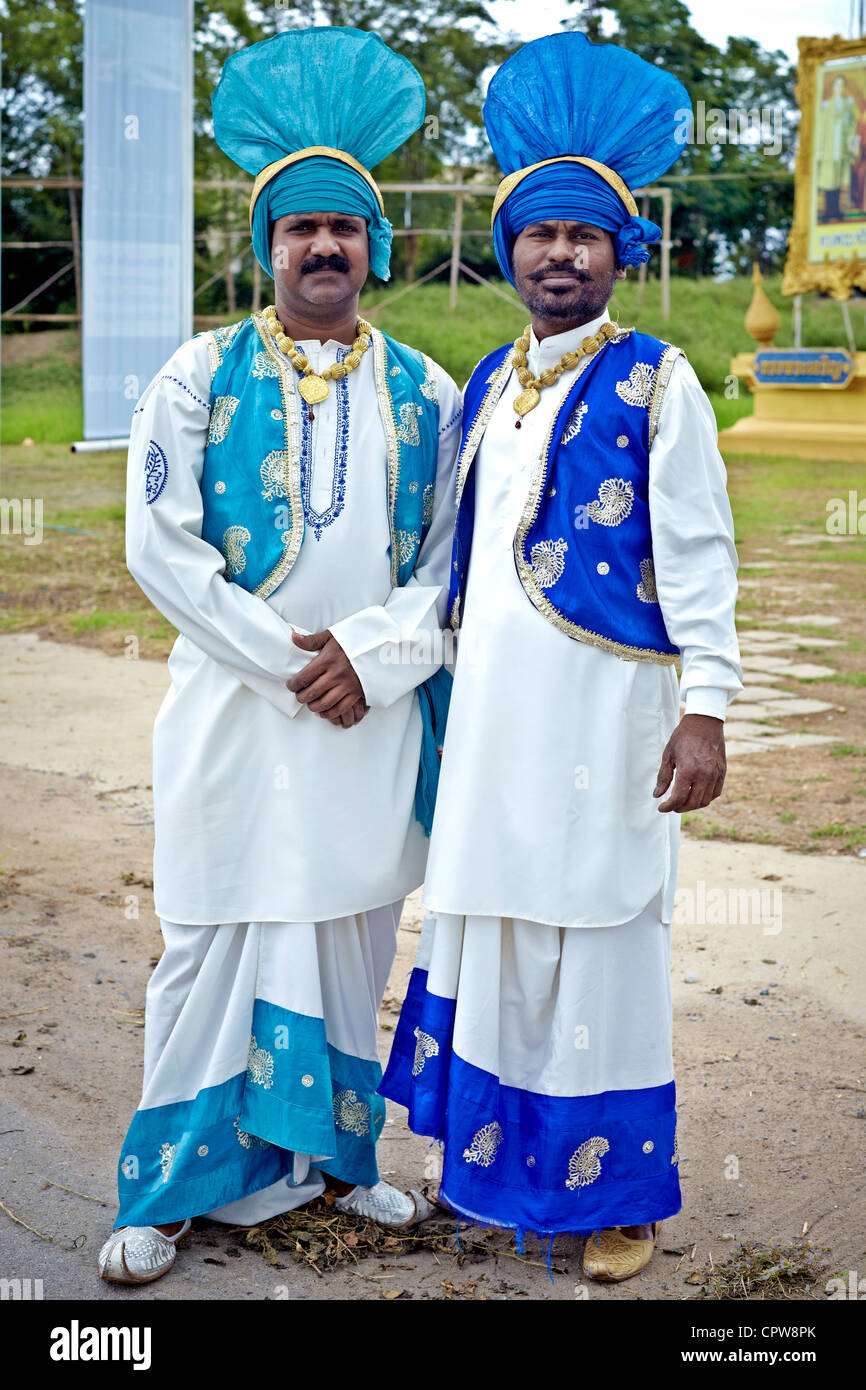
x=328, y=86
x=562, y=95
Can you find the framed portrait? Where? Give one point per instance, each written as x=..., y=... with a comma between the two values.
x=827, y=246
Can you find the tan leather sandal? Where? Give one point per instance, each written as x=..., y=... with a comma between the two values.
x=610, y=1256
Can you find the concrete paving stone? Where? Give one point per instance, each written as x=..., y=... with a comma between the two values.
x=760, y=662
x=739, y=746
x=814, y=540
x=794, y=706
x=758, y=565
x=746, y=710
x=807, y=671
x=804, y=641
x=761, y=692
x=801, y=740
x=759, y=673
x=764, y=634
x=740, y=728
x=813, y=619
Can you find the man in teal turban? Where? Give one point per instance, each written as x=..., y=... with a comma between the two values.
x=290, y=509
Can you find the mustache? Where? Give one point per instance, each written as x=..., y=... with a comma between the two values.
x=313, y=263
x=581, y=276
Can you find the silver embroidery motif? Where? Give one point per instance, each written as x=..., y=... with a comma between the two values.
x=575, y=420
x=234, y=540
x=484, y=1145
x=351, y=1114
x=646, y=589
x=675, y=1156
x=260, y=1065
x=221, y=418
x=425, y=1046
x=430, y=386
x=413, y=486
x=395, y=370
x=622, y=441
x=407, y=542
x=546, y=562
x=584, y=1166
x=407, y=430
x=263, y=366
x=427, y=503
x=219, y=487
x=648, y=1146
x=637, y=389
x=615, y=501
x=166, y=1159
x=247, y=1141
x=273, y=475
x=603, y=567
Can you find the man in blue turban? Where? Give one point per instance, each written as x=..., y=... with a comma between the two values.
x=593, y=547
x=290, y=510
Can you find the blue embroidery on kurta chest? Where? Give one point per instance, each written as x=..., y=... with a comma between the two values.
x=155, y=472
x=317, y=521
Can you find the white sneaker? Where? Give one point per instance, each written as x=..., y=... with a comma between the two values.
x=138, y=1254
x=385, y=1205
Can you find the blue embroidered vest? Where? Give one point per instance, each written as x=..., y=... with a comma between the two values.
x=583, y=546
x=253, y=480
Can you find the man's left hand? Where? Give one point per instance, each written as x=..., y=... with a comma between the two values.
x=696, y=752
x=328, y=684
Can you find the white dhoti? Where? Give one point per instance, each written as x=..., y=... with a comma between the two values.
x=261, y=1061
x=542, y=1057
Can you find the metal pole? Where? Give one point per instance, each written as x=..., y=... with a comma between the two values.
x=798, y=320
x=455, y=242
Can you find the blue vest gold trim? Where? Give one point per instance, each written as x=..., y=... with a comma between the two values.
x=583, y=545
x=254, y=478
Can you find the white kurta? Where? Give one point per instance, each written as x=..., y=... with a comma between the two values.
x=545, y=809
x=265, y=811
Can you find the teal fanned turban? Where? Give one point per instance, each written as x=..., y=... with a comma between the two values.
x=308, y=113
x=575, y=126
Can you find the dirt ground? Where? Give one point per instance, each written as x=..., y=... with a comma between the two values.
x=770, y=1014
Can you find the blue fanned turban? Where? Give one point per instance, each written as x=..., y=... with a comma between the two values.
x=309, y=112
x=575, y=126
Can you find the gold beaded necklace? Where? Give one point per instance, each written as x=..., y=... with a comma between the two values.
x=529, y=397
x=313, y=385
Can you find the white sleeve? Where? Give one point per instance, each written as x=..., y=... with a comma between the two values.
x=182, y=574
x=693, y=545
x=395, y=646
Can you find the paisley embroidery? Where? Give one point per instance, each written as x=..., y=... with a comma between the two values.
x=575, y=420
x=646, y=589
x=407, y=430
x=234, y=540
x=319, y=520
x=637, y=389
x=351, y=1114
x=260, y=1065
x=546, y=562
x=166, y=1159
x=484, y=1145
x=273, y=474
x=247, y=1141
x=407, y=544
x=263, y=366
x=584, y=1166
x=615, y=501
x=427, y=503
x=430, y=386
x=221, y=418
x=155, y=472
x=425, y=1047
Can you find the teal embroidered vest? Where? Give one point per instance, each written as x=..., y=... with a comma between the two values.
x=252, y=482
x=583, y=546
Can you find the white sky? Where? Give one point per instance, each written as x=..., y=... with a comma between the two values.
x=774, y=23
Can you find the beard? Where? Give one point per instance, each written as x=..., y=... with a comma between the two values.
x=577, y=303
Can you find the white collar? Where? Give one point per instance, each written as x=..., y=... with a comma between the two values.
x=549, y=350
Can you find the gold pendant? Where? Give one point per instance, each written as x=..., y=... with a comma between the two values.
x=313, y=389
x=527, y=400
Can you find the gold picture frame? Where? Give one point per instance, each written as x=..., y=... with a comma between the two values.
x=839, y=272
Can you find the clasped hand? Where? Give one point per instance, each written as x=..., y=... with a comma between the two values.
x=328, y=684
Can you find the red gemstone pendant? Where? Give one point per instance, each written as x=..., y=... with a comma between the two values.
x=517, y=424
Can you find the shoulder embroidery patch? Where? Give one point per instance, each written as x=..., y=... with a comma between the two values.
x=646, y=589
x=350, y=1113
x=615, y=501
x=425, y=1046
x=260, y=1065
x=575, y=420
x=484, y=1145
x=221, y=418
x=234, y=540
x=547, y=563
x=225, y=335
x=584, y=1166
x=155, y=472
x=637, y=389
